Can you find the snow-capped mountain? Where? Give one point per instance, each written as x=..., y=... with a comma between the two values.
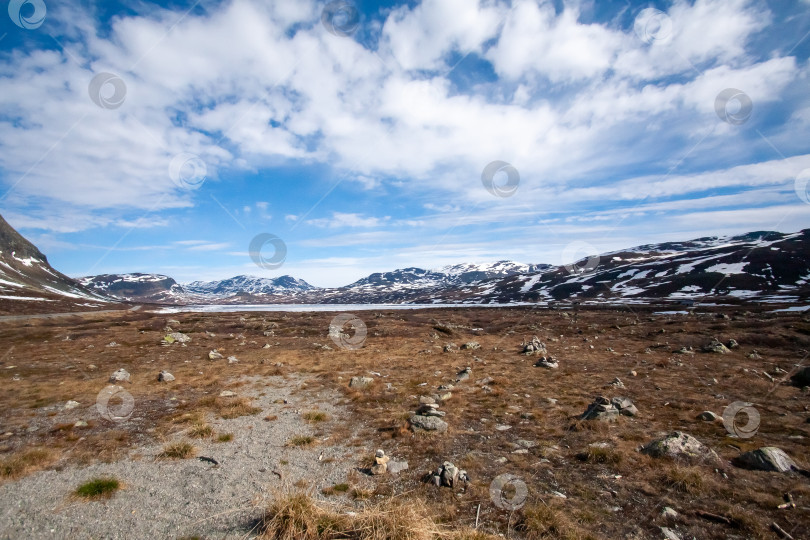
x=247, y=285
x=761, y=266
x=26, y=277
x=136, y=287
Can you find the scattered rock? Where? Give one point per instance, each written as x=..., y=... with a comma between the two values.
x=71, y=405
x=669, y=534
x=120, y=375
x=714, y=346
x=548, y=362
x=360, y=382
x=80, y=423
x=503, y=427
x=179, y=337
x=732, y=344
x=616, y=382
x=535, y=347
x=233, y=360
x=165, y=376
x=767, y=458
x=471, y=346
x=680, y=445
x=625, y=406
x=464, y=374
x=381, y=463
x=227, y=393
x=215, y=355
x=754, y=355
x=450, y=348
x=426, y=400
x=448, y=475
x=112, y=344
x=668, y=513
x=601, y=409
x=707, y=416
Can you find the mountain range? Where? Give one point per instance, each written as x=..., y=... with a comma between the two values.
x=763, y=266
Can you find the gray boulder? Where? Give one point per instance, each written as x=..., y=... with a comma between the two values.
x=715, y=346
x=625, y=406
x=120, y=375
x=428, y=423
x=680, y=445
x=165, y=376
x=767, y=458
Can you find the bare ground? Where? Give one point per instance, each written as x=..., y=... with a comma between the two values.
x=617, y=493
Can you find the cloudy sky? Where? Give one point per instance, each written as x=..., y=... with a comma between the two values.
x=164, y=137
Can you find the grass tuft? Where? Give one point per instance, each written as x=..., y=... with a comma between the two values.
x=18, y=465
x=314, y=417
x=178, y=451
x=301, y=441
x=98, y=488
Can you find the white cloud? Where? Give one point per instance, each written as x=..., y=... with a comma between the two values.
x=341, y=220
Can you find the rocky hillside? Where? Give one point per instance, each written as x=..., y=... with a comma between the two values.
x=137, y=287
x=758, y=266
x=26, y=277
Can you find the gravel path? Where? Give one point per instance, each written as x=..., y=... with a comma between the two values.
x=173, y=499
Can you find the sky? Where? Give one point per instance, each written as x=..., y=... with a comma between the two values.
x=330, y=140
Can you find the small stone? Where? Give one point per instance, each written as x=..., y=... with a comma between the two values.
x=227, y=393
x=633, y=373
x=668, y=513
x=80, y=423
x=503, y=427
x=471, y=346
x=165, y=376
x=233, y=360
x=71, y=405
x=215, y=355
x=707, y=416
x=426, y=400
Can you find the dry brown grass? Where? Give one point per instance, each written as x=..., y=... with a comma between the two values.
x=179, y=450
x=297, y=516
x=549, y=522
x=25, y=462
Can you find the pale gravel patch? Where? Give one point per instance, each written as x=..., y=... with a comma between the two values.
x=176, y=498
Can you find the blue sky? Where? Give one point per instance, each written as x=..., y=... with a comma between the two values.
x=363, y=147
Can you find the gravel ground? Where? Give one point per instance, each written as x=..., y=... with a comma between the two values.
x=178, y=498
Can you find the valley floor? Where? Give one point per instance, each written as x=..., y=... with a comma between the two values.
x=280, y=418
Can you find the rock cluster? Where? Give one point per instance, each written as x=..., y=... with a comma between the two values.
x=360, y=382
x=428, y=417
x=534, y=347
x=449, y=475
x=608, y=410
